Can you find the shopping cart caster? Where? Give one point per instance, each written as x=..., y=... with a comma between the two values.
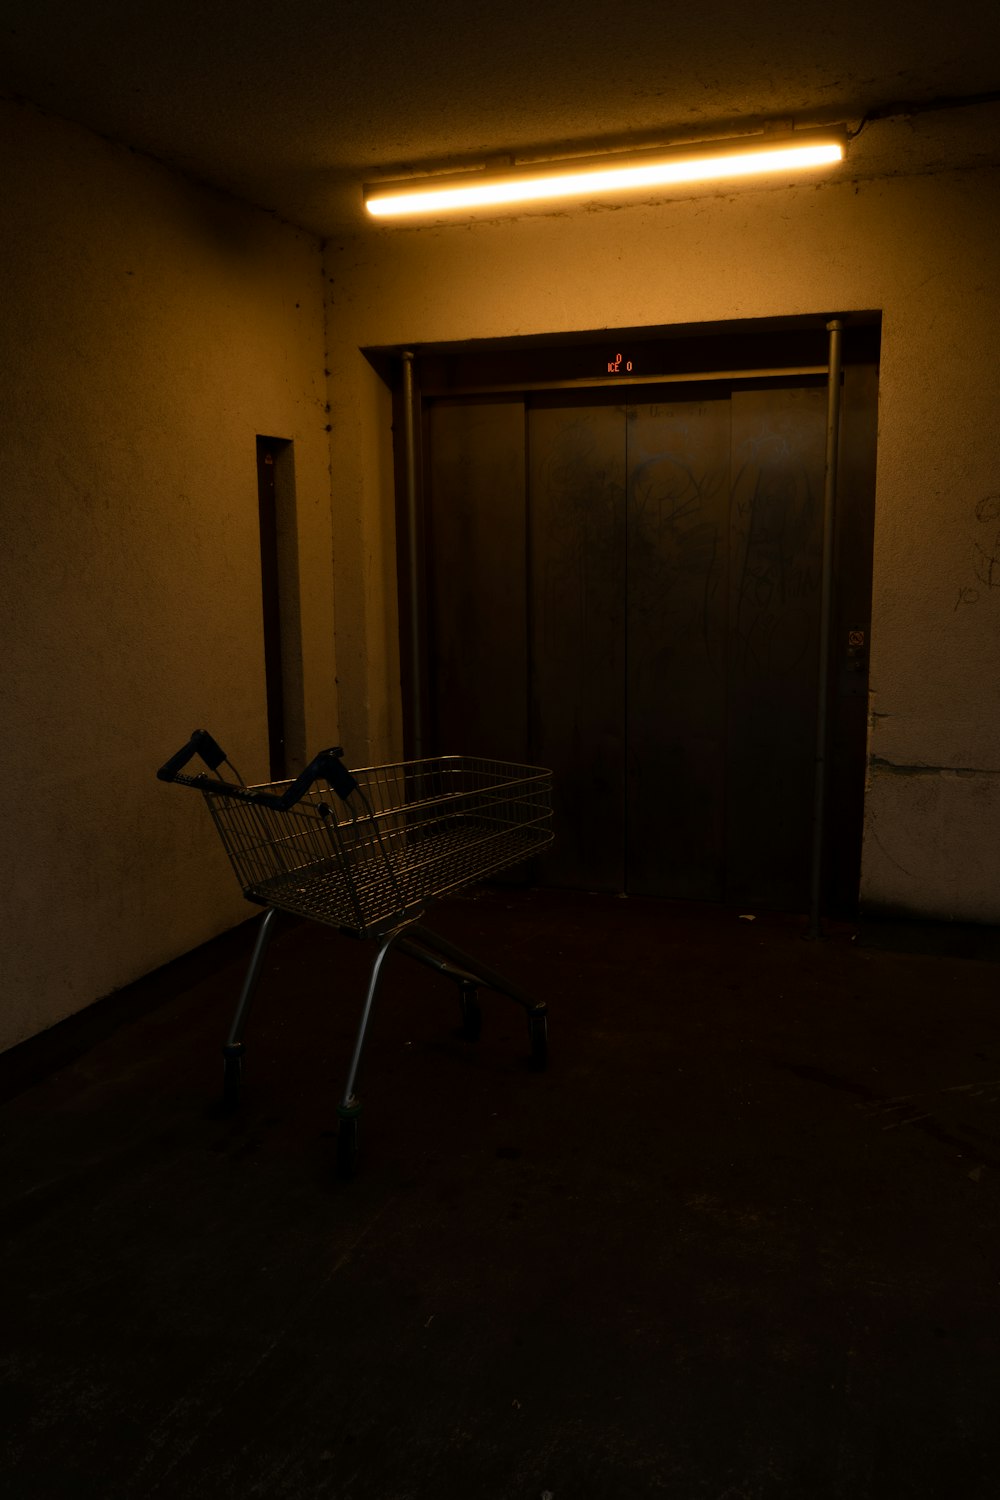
x=472, y=1014
x=232, y=1074
x=538, y=1033
x=348, y=1132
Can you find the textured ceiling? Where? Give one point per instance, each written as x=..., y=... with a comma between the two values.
x=292, y=107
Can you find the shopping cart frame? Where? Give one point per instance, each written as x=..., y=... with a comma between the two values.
x=366, y=852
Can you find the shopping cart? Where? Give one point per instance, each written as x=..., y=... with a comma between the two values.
x=366, y=852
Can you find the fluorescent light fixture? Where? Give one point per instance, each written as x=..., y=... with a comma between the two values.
x=599, y=176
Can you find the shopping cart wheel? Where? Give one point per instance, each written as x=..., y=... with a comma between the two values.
x=472, y=1014
x=348, y=1132
x=538, y=1031
x=232, y=1074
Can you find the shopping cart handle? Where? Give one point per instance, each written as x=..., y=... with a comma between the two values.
x=201, y=743
x=326, y=766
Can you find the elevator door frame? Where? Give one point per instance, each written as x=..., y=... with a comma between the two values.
x=521, y=367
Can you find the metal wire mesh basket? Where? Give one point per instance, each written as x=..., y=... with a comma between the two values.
x=405, y=833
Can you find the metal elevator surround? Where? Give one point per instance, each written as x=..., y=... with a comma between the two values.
x=625, y=585
x=833, y=393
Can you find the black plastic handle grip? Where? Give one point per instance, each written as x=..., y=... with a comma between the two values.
x=201, y=743
x=326, y=766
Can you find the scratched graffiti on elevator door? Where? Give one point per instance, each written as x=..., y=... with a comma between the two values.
x=678, y=515
x=776, y=513
x=577, y=563
x=778, y=540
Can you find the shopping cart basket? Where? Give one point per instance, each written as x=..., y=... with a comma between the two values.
x=365, y=852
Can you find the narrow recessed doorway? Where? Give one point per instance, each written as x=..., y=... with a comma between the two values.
x=623, y=582
x=280, y=605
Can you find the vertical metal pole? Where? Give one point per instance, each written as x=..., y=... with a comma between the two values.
x=834, y=329
x=412, y=541
x=236, y=1030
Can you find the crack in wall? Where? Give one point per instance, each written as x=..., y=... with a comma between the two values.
x=895, y=768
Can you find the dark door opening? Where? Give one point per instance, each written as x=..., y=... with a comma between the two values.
x=270, y=452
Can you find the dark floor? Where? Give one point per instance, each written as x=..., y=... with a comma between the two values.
x=739, y=1241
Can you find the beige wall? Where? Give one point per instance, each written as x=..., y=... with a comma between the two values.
x=150, y=330
x=910, y=236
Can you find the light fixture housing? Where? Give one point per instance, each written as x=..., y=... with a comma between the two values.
x=593, y=178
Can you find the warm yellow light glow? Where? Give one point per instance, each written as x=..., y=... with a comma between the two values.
x=595, y=178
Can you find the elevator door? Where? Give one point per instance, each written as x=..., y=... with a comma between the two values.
x=628, y=591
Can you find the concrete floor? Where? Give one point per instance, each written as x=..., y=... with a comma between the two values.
x=739, y=1241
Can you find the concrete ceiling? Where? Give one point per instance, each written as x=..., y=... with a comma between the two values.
x=293, y=106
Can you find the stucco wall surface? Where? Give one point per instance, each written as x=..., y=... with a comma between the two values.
x=149, y=330
x=911, y=237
